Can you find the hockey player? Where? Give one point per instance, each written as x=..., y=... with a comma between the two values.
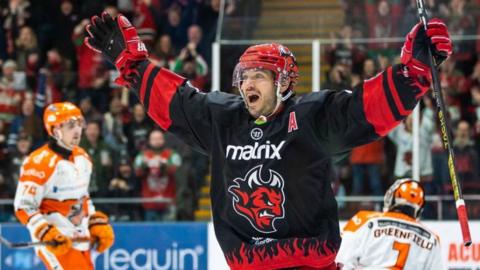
x=272, y=203
x=394, y=239
x=52, y=197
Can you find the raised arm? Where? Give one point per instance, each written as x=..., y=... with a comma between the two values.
x=168, y=98
x=378, y=105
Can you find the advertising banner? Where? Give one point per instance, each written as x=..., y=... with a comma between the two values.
x=454, y=254
x=178, y=246
x=146, y=246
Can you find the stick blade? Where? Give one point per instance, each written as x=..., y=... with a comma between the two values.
x=5, y=242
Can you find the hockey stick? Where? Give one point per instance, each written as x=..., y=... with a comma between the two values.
x=22, y=245
x=446, y=136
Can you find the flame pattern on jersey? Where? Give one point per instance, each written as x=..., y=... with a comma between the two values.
x=280, y=253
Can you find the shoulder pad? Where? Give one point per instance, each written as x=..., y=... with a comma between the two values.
x=359, y=219
x=39, y=165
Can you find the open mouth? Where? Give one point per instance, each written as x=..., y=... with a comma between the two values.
x=252, y=98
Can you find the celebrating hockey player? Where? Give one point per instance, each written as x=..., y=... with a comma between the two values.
x=52, y=197
x=393, y=239
x=273, y=207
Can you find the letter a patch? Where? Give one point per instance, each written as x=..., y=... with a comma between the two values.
x=292, y=122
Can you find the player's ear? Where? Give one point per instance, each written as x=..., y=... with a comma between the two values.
x=57, y=133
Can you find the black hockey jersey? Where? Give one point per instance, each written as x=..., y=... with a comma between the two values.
x=272, y=202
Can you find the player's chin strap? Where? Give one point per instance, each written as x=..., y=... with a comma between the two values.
x=281, y=98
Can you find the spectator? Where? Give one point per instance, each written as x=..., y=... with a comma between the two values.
x=164, y=54
x=339, y=77
x=476, y=116
x=207, y=18
x=145, y=23
x=369, y=69
x=18, y=155
x=7, y=187
x=3, y=145
x=366, y=161
x=7, y=80
x=101, y=156
x=27, y=50
x=10, y=98
x=190, y=177
x=124, y=185
x=195, y=37
x=461, y=22
x=6, y=191
x=402, y=137
x=176, y=26
x=156, y=167
x=93, y=77
x=14, y=17
x=344, y=51
x=112, y=128
x=29, y=123
x=189, y=69
x=89, y=112
x=192, y=66
x=382, y=20
x=65, y=22
x=137, y=130
x=466, y=158
x=52, y=79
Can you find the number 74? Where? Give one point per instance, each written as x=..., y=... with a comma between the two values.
x=28, y=189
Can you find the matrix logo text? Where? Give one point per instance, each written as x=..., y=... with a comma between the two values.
x=256, y=151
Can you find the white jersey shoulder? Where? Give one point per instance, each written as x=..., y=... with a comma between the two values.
x=375, y=240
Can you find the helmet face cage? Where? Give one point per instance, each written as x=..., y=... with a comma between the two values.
x=279, y=75
x=397, y=195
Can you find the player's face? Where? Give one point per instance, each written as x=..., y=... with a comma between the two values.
x=259, y=91
x=70, y=132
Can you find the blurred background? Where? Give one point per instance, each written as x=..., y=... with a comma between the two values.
x=338, y=43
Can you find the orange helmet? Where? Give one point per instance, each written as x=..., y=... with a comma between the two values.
x=405, y=192
x=58, y=113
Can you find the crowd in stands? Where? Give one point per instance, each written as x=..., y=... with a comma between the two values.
x=43, y=60
x=373, y=167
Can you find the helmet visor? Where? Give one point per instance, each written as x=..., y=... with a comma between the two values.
x=249, y=71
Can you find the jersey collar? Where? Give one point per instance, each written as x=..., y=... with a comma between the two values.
x=63, y=152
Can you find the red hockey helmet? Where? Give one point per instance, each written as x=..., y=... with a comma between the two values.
x=271, y=56
x=405, y=192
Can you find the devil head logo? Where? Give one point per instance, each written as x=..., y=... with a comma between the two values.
x=260, y=202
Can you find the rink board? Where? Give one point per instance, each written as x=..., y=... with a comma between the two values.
x=194, y=246
x=137, y=246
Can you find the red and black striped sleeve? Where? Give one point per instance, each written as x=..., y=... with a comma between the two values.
x=351, y=118
x=155, y=90
x=175, y=105
x=389, y=97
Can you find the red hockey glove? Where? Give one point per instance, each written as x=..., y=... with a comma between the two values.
x=59, y=244
x=100, y=231
x=118, y=40
x=414, y=51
